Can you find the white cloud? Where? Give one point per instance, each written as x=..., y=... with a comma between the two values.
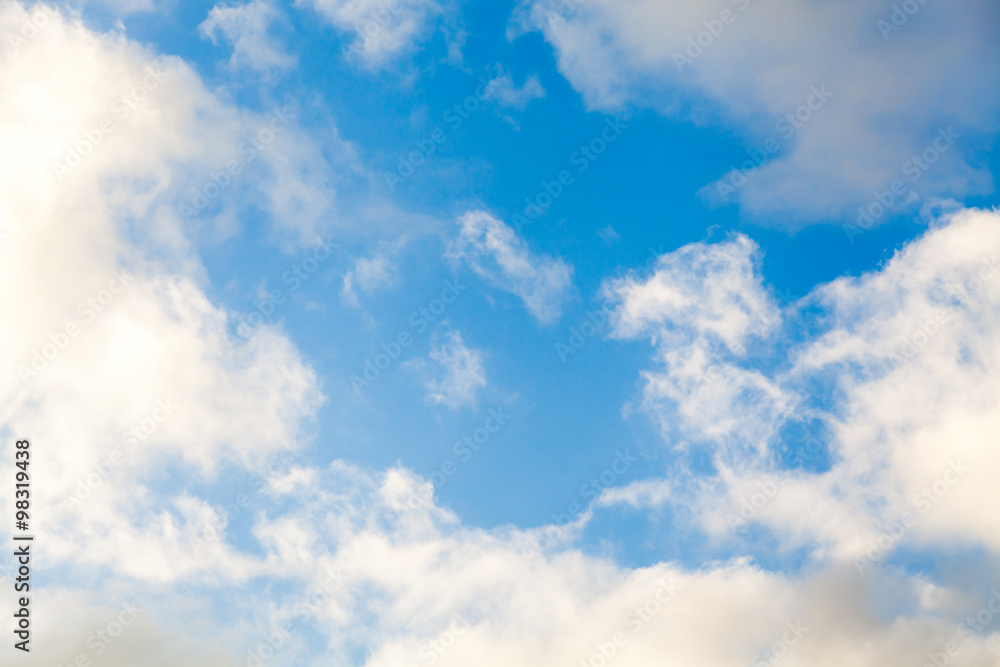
x=459, y=372
x=411, y=576
x=645, y=494
x=759, y=62
x=703, y=306
x=416, y=577
x=117, y=347
x=914, y=348
x=495, y=251
x=247, y=28
x=370, y=274
x=379, y=30
x=703, y=291
x=609, y=234
x=502, y=89
x=119, y=8
x=900, y=364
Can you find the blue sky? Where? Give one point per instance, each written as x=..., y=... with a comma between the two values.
x=642, y=290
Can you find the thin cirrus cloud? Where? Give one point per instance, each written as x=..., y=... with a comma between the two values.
x=751, y=64
x=494, y=251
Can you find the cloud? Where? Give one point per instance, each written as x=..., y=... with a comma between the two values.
x=502, y=89
x=380, y=30
x=758, y=66
x=459, y=372
x=371, y=274
x=703, y=306
x=120, y=362
x=495, y=252
x=119, y=8
x=609, y=234
x=116, y=629
x=227, y=150
x=858, y=415
x=246, y=27
x=420, y=585
x=124, y=374
x=645, y=494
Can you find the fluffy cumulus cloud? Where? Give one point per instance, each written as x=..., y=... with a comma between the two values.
x=378, y=31
x=417, y=587
x=495, y=252
x=119, y=360
x=705, y=306
x=866, y=436
x=247, y=28
x=815, y=115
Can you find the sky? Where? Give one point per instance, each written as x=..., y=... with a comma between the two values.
x=399, y=333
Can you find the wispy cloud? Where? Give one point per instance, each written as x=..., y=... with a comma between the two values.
x=379, y=31
x=455, y=373
x=247, y=28
x=502, y=89
x=495, y=252
x=370, y=275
